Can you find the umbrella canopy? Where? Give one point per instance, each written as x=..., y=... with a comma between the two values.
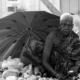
x=16, y=29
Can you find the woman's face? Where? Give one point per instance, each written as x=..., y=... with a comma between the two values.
x=66, y=27
x=66, y=23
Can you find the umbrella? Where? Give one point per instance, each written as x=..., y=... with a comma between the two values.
x=16, y=29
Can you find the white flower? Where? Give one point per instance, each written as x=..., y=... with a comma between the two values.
x=4, y=64
x=12, y=78
x=25, y=75
x=79, y=75
x=33, y=77
x=20, y=78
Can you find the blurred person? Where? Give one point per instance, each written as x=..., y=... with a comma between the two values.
x=76, y=21
x=61, y=51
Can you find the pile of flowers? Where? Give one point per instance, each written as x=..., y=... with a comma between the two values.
x=14, y=69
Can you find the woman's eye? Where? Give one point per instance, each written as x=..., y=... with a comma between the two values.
x=63, y=25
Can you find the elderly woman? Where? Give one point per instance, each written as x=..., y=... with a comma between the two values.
x=62, y=49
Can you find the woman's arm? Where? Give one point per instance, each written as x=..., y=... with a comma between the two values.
x=46, y=53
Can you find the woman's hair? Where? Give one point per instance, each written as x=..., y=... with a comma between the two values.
x=66, y=17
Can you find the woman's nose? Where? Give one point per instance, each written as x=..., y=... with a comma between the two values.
x=66, y=27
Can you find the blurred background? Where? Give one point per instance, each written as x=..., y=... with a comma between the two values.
x=56, y=7
x=53, y=6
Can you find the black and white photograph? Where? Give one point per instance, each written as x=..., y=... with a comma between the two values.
x=39, y=39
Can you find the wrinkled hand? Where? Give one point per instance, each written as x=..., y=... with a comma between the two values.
x=75, y=71
x=60, y=76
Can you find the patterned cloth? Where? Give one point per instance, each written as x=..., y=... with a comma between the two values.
x=35, y=47
x=66, y=54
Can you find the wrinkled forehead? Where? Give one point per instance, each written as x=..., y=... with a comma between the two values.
x=66, y=21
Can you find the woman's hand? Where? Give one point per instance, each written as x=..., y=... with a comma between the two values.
x=75, y=70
